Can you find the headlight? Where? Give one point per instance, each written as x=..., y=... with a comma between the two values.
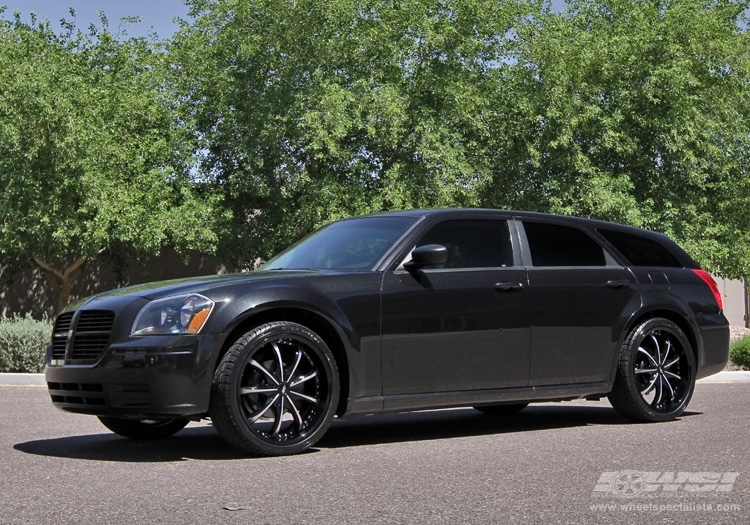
x=182, y=314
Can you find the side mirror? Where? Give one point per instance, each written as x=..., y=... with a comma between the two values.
x=427, y=255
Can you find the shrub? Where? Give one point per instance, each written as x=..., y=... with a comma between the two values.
x=23, y=343
x=740, y=352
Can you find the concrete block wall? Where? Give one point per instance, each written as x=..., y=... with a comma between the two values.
x=734, y=300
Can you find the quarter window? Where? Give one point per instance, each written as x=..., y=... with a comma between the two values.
x=472, y=243
x=556, y=245
x=639, y=250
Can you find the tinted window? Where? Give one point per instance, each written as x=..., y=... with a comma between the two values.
x=352, y=244
x=556, y=245
x=639, y=250
x=472, y=243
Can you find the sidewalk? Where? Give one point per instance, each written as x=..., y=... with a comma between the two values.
x=727, y=377
x=22, y=379
x=38, y=379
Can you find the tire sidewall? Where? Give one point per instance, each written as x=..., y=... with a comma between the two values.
x=631, y=345
x=245, y=349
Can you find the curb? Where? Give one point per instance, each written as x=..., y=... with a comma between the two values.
x=38, y=379
x=727, y=377
x=22, y=379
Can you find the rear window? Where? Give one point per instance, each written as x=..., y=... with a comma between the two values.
x=640, y=251
x=557, y=245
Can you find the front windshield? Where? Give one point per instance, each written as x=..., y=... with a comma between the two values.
x=355, y=244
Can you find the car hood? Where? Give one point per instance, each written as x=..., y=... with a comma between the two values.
x=159, y=289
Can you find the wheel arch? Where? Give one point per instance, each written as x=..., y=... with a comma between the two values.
x=630, y=391
x=678, y=318
x=307, y=318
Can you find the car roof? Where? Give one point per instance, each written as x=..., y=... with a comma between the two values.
x=437, y=212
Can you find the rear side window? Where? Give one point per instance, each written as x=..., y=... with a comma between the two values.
x=640, y=251
x=557, y=245
x=472, y=243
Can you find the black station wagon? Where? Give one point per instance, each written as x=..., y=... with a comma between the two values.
x=396, y=312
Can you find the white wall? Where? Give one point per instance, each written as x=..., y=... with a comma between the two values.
x=734, y=300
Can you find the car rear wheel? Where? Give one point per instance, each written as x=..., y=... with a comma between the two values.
x=144, y=428
x=276, y=390
x=656, y=373
x=502, y=410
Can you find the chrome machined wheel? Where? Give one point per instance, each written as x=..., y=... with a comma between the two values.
x=656, y=372
x=276, y=390
x=282, y=391
x=661, y=370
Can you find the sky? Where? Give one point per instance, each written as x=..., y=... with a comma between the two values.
x=156, y=15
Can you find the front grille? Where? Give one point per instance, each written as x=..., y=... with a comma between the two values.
x=87, y=397
x=89, y=394
x=89, y=346
x=95, y=321
x=82, y=338
x=60, y=335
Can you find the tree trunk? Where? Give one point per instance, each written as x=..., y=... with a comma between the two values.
x=61, y=281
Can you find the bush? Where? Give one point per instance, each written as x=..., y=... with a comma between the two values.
x=740, y=352
x=23, y=343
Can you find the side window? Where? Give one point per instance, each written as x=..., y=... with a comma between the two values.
x=472, y=243
x=639, y=250
x=557, y=245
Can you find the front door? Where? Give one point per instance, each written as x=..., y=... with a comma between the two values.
x=462, y=325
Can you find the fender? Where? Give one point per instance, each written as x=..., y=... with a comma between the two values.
x=660, y=303
x=353, y=313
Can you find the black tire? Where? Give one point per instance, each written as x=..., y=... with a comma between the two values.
x=144, y=428
x=502, y=410
x=656, y=373
x=275, y=391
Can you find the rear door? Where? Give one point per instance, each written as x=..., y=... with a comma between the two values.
x=579, y=300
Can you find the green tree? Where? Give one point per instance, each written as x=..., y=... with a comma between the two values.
x=313, y=110
x=634, y=111
x=92, y=156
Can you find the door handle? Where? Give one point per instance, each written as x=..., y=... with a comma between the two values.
x=508, y=286
x=617, y=284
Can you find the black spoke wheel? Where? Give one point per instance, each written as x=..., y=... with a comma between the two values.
x=144, y=428
x=276, y=390
x=656, y=373
x=502, y=410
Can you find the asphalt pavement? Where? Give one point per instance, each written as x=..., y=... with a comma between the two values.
x=575, y=462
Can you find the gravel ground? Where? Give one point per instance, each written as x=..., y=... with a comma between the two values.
x=738, y=331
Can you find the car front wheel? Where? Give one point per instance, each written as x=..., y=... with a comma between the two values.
x=656, y=373
x=276, y=390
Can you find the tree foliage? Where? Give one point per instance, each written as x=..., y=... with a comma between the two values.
x=314, y=110
x=92, y=156
x=301, y=111
x=636, y=111
x=627, y=110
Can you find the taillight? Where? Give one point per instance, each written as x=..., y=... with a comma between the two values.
x=703, y=274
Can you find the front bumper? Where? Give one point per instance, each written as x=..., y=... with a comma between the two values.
x=139, y=377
